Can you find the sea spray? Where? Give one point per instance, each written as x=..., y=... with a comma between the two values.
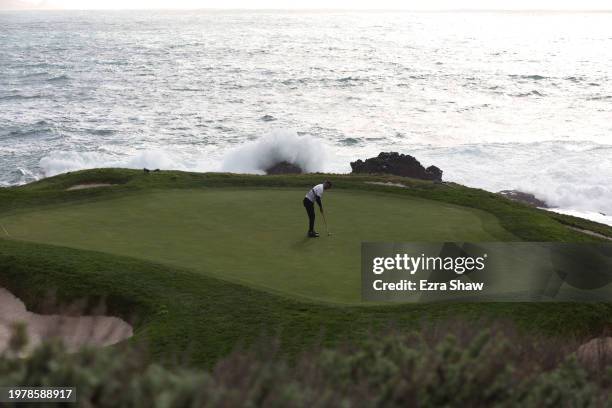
x=253, y=157
x=63, y=161
x=566, y=175
x=279, y=145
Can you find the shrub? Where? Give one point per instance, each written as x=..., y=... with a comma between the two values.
x=448, y=366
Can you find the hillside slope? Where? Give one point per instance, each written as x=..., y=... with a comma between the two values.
x=178, y=307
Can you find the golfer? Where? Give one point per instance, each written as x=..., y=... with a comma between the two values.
x=314, y=195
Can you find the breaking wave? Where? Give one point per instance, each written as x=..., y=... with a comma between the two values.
x=532, y=93
x=531, y=77
x=59, y=78
x=253, y=157
x=280, y=145
x=65, y=161
x=566, y=175
x=568, y=184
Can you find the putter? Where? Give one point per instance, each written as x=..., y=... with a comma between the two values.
x=326, y=227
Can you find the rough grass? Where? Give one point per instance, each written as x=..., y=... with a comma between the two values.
x=581, y=223
x=181, y=311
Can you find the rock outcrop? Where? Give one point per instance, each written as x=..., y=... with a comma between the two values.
x=525, y=198
x=398, y=165
x=284, y=167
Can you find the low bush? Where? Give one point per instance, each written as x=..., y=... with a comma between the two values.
x=441, y=366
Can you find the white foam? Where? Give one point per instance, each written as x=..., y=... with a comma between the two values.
x=559, y=173
x=280, y=145
x=589, y=215
x=251, y=157
x=566, y=175
x=64, y=161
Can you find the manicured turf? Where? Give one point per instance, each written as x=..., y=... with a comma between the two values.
x=255, y=236
x=181, y=307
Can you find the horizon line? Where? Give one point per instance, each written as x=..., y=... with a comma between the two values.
x=452, y=10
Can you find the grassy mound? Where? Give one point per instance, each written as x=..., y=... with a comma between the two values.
x=154, y=246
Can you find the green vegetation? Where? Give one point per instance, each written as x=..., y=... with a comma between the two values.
x=448, y=366
x=254, y=236
x=184, y=297
x=583, y=224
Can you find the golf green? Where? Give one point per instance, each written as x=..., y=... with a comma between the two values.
x=252, y=235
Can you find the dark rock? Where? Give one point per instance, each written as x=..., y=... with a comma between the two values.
x=525, y=198
x=396, y=164
x=284, y=167
x=268, y=118
x=434, y=172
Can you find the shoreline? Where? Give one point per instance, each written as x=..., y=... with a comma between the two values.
x=583, y=214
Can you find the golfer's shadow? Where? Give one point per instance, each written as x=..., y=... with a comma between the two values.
x=301, y=242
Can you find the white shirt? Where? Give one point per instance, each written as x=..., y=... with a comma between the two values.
x=316, y=191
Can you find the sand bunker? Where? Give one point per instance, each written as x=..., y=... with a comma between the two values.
x=89, y=185
x=75, y=332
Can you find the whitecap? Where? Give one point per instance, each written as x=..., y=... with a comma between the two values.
x=279, y=145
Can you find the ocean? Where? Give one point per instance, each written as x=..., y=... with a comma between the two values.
x=497, y=100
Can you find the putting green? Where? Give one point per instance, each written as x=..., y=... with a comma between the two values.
x=254, y=236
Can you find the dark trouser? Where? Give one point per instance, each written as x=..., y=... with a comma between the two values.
x=309, y=205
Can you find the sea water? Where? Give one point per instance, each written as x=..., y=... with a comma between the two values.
x=498, y=100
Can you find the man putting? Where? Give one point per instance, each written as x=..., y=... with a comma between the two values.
x=313, y=195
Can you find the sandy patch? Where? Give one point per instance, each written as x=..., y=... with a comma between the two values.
x=89, y=185
x=388, y=183
x=75, y=332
